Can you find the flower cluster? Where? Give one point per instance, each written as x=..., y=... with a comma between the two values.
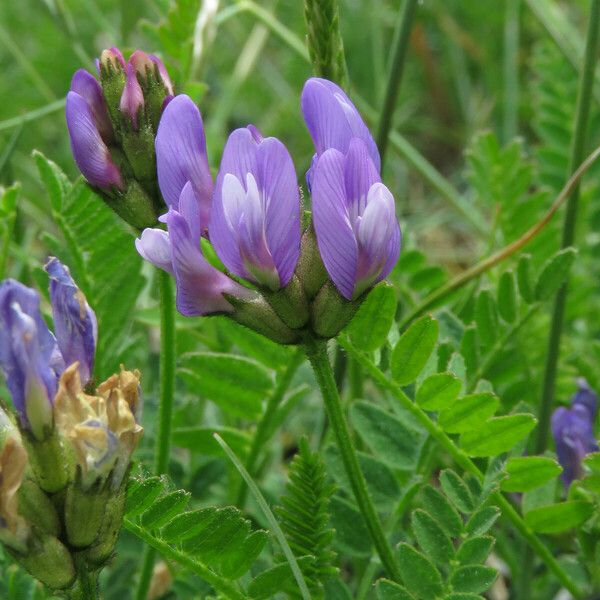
x=112, y=124
x=273, y=279
x=66, y=458
x=573, y=431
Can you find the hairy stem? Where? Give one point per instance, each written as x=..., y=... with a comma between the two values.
x=463, y=461
x=165, y=411
x=316, y=351
x=399, y=52
x=265, y=426
x=584, y=99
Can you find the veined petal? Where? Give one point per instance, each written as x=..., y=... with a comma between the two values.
x=335, y=237
x=277, y=179
x=89, y=150
x=75, y=324
x=88, y=87
x=200, y=287
x=332, y=118
x=132, y=98
x=154, y=246
x=190, y=211
x=181, y=155
x=359, y=175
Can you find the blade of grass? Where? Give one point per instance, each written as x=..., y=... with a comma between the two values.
x=33, y=115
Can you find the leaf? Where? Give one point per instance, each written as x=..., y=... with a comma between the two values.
x=431, y=537
x=388, y=590
x=482, y=520
x=437, y=504
x=475, y=550
x=418, y=574
x=438, y=391
x=473, y=578
x=141, y=494
x=236, y=384
x=526, y=287
x=507, y=297
x=274, y=580
x=498, y=435
x=201, y=441
x=390, y=439
x=351, y=533
x=486, y=318
x=554, y=273
x=54, y=180
x=369, y=328
x=457, y=491
x=528, y=472
x=468, y=413
x=164, y=509
x=465, y=596
x=555, y=518
x=413, y=349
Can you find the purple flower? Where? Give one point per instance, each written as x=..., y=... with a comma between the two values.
x=181, y=156
x=132, y=98
x=75, y=323
x=354, y=218
x=200, y=286
x=573, y=431
x=29, y=356
x=89, y=149
x=255, y=218
x=333, y=121
x=112, y=58
x=88, y=87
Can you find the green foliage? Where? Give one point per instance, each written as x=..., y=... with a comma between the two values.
x=304, y=517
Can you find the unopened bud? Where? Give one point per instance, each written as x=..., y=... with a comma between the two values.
x=131, y=104
x=290, y=303
x=105, y=542
x=84, y=513
x=310, y=270
x=331, y=312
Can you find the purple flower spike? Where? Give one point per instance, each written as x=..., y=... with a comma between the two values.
x=355, y=221
x=573, y=433
x=88, y=87
x=333, y=121
x=89, y=150
x=181, y=156
x=29, y=356
x=255, y=219
x=75, y=323
x=132, y=99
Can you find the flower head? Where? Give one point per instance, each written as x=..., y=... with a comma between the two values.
x=354, y=218
x=255, y=219
x=573, y=432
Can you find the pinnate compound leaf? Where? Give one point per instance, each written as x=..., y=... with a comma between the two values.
x=437, y=504
x=498, y=435
x=562, y=516
x=486, y=317
x=482, y=520
x=468, y=413
x=201, y=441
x=164, y=509
x=438, y=391
x=370, y=327
x=431, y=537
x=277, y=579
x=457, y=491
x=554, y=273
x=388, y=590
x=528, y=472
x=473, y=578
x=413, y=350
x=524, y=279
x=419, y=575
x=507, y=297
x=475, y=550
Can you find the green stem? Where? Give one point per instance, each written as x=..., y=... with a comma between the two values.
x=86, y=587
x=265, y=426
x=220, y=584
x=435, y=297
x=463, y=461
x=399, y=52
x=165, y=410
x=584, y=99
x=316, y=351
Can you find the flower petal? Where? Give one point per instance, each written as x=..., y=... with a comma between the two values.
x=181, y=155
x=88, y=87
x=359, y=175
x=75, y=324
x=154, y=246
x=132, y=98
x=89, y=150
x=335, y=236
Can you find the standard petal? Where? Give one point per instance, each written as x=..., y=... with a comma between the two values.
x=75, y=324
x=332, y=118
x=335, y=237
x=89, y=150
x=88, y=87
x=200, y=287
x=154, y=246
x=181, y=155
x=277, y=179
x=359, y=175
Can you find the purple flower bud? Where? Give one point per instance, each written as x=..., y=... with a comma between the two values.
x=89, y=150
x=88, y=87
x=181, y=156
x=573, y=433
x=333, y=121
x=111, y=58
x=354, y=218
x=162, y=71
x=200, y=286
x=132, y=99
x=255, y=218
x=29, y=356
x=75, y=324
